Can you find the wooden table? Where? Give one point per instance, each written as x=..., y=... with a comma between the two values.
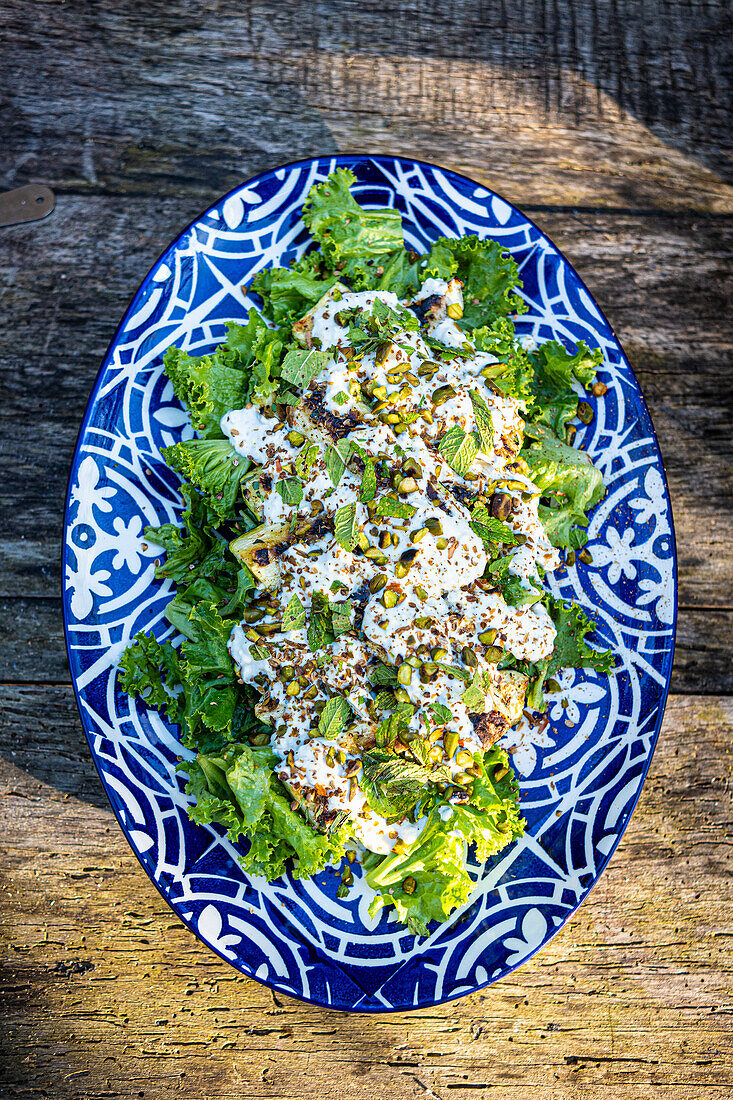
x=609, y=124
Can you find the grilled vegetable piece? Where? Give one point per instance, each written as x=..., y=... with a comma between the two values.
x=303, y=328
x=261, y=548
x=317, y=423
x=435, y=307
x=507, y=691
x=256, y=550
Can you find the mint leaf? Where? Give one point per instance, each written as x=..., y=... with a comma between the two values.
x=341, y=617
x=454, y=670
x=383, y=674
x=393, y=785
x=484, y=423
x=336, y=458
x=459, y=449
x=305, y=459
x=385, y=700
x=333, y=717
x=301, y=366
x=368, y=489
x=474, y=697
x=291, y=490
x=294, y=615
x=390, y=505
x=344, y=526
x=491, y=530
x=441, y=714
x=388, y=730
x=319, y=624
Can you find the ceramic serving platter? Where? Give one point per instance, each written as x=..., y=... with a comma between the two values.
x=580, y=778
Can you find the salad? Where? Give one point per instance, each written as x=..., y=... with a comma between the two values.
x=380, y=477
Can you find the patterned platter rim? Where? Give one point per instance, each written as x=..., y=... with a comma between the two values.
x=327, y=163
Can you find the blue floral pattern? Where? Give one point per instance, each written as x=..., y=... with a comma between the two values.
x=580, y=774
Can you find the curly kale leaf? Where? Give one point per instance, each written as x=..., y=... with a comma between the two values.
x=238, y=790
x=353, y=240
x=261, y=350
x=488, y=273
x=570, y=485
x=571, y=649
x=289, y=292
x=240, y=369
x=513, y=374
x=555, y=368
x=151, y=670
x=214, y=467
x=195, y=549
x=441, y=261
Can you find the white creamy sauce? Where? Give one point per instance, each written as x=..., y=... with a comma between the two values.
x=415, y=583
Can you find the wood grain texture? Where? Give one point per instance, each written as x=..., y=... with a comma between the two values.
x=610, y=123
x=105, y=993
x=582, y=103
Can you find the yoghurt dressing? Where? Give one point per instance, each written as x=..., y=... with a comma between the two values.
x=438, y=603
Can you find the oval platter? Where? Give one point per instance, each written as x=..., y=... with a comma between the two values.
x=580, y=778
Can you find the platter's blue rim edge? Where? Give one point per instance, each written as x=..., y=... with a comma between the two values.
x=348, y=160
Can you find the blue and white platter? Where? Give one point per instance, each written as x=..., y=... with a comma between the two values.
x=580, y=778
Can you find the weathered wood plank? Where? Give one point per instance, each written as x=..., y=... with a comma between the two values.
x=32, y=646
x=107, y=995
x=583, y=104
x=673, y=318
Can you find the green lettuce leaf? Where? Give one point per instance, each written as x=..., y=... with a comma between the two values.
x=214, y=467
x=259, y=349
x=192, y=550
x=239, y=790
x=180, y=606
x=431, y=880
x=570, y=651
x=570, y=484
x=150, y=670
x=491, y=818
x=289, y=292
x=427, y=883
x=353, y=240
